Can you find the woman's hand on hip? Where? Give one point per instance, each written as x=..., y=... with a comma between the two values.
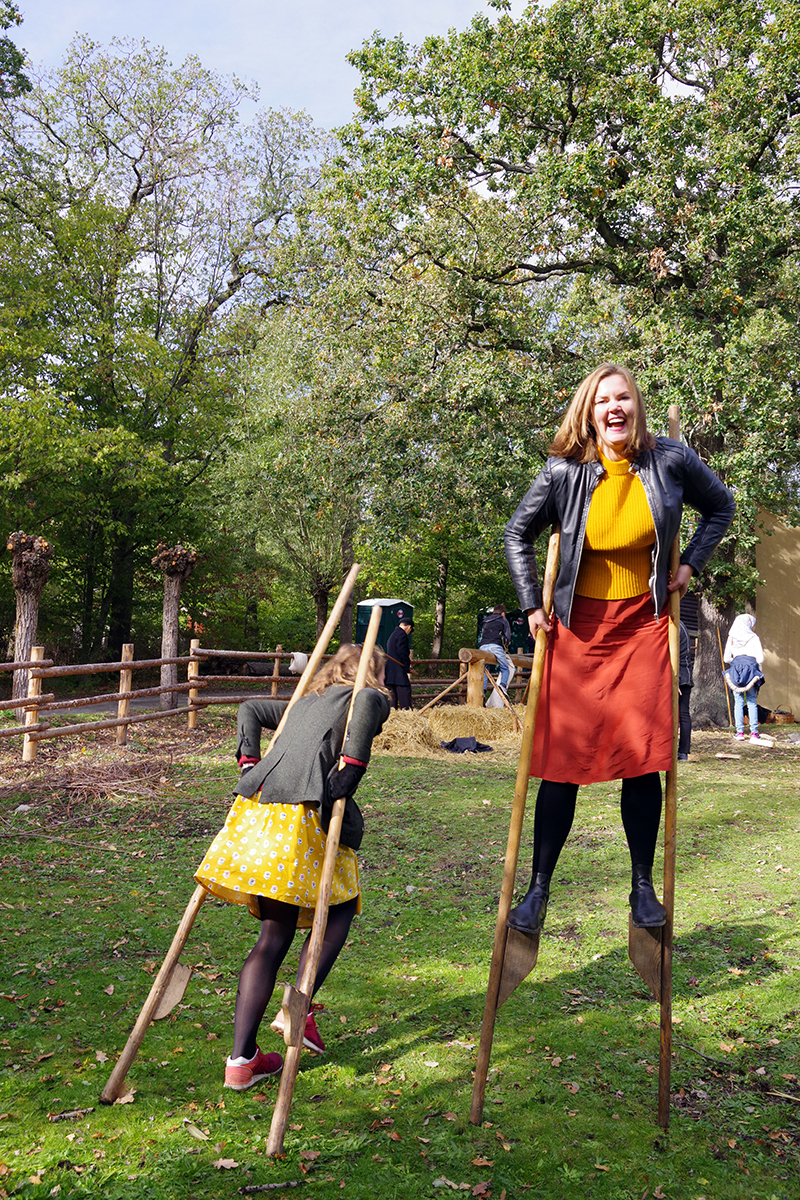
x=537, y=619
x=681, y=581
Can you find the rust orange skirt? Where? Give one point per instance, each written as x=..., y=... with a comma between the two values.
x=605, y=710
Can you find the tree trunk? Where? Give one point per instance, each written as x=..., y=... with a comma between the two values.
x=120, y=599
x=709, y=706
x=30, y=567
x=348, y=558
x=177, y=564
x=441, y=600
x=321, y=607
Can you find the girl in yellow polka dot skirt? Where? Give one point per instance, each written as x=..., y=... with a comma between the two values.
x=270, y=851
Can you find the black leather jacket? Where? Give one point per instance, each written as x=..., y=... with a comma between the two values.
x=562, y=492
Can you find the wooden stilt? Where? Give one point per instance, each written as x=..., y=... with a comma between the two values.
x=650, y=950
x=522, y=953
x=116, y=1079
x=506, y=702
x=162, y=981
x=297, y=1001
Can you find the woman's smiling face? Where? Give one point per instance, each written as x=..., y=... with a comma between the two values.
x=613, y=411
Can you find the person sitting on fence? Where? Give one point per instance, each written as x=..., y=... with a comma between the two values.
x=496, y=637
x=270, y=852
x=744, y=652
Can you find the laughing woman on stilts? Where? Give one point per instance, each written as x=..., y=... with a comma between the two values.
x=605, y=710
x=270, y=851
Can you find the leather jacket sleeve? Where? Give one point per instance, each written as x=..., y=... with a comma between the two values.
x=535, y=513
x=705, y=493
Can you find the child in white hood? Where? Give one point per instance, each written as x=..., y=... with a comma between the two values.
x=744, y=652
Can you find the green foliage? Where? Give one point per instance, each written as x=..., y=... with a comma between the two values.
x=137, y=213
x=602, y=181
x=12, y=59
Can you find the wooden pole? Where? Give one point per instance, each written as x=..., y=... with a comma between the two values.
x=110, y=1093
x=117, y=1077
x=123, y=704
x=475, y=684
x=298, y=1000
x=29, y=744
x=506, y=702
x=724, y=680
x=440, y=696
x=192, y=672
x=512, y=850
x=276, y=670
x=670, y=834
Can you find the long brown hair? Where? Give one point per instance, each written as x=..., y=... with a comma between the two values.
x=577, y=437
x=343, y=667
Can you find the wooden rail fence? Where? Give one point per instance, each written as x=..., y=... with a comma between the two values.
x=465, y=686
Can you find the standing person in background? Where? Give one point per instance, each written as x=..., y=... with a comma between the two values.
x=496, y=636
x=744, y=652
x=398, y=664
x=605, y=710
x=685, y=684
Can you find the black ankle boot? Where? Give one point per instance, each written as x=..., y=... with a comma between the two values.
x=528, y=916
x=646, y=910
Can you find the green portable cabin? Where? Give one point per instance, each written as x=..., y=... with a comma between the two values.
x=519, y=628
x=393, y=613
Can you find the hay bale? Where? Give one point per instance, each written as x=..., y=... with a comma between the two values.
x=411, y=735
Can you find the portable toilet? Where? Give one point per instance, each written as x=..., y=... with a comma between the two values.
x=393, y=613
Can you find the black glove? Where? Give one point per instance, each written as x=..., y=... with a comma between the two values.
x=344, y=782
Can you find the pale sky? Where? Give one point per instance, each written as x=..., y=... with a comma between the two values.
x=294, y=51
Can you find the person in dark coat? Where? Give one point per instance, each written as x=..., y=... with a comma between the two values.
x=398, y=664
x=270, y=851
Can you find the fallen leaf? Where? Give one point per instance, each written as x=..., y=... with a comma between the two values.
x=395, y=1136
x=600, y=1167
x=482, y=1189
x=42, y=1057
x=295, y=1127
x=127, y=1098
x=659, y=1195
x=309, y=1155
x=100, y=1056
x=572, y=1087
x=449, y=1116
x=109, y=991
x=195, y=1132
x=225, y=1164
x=482, y=1162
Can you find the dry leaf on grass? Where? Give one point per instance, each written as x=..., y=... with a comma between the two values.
x=225, y=1164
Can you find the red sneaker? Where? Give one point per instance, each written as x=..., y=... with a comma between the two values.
x=262, y=1066
x=311, y=1035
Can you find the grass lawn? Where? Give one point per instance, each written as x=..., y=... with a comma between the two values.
x=97, y=870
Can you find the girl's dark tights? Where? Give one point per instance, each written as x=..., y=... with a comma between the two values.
x=640, y=805
x=260, y=970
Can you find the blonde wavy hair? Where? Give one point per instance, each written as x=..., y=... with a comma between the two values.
x=343, y=667
x=577, y=438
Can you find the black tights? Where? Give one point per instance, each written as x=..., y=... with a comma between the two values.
x=257, y=980
x=640, y=805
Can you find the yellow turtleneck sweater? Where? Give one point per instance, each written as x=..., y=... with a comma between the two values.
x=616, y=558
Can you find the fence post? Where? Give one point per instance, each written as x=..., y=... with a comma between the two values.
x=475, y=683
x=32, y=714
x=192, y=672
x=462, y=690
x=276, y=670
x=123, y=706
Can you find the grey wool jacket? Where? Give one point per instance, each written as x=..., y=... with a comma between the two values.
x=296, y=770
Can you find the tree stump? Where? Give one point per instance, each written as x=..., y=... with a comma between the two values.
x=176, y=563
x=31, y=558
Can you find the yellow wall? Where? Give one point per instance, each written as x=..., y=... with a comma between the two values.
x=778, y=615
